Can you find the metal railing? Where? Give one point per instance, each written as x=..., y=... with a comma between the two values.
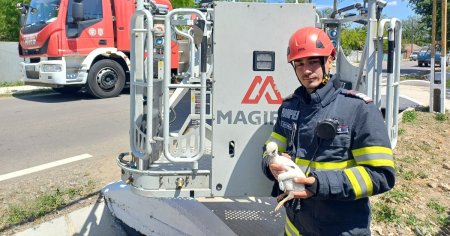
x=141, y=86
x=393, y=74
x=168, y=85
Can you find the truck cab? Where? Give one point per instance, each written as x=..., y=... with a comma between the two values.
x=69, y=45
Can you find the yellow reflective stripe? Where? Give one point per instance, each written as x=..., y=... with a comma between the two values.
x=374, y=156
x=279, y=140
x=384, y=162
x=367, y=180
x=278, y=137
x=290, y=228
x=286, y=230
x=354, y=183
x=281, y=146
x=371, y=150
x=326, y=165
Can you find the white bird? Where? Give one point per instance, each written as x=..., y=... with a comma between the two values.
x=285, y=179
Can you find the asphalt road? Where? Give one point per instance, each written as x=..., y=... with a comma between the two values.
x=45, y=128
x=411, y=67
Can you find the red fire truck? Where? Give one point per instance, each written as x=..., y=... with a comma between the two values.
x=71, y=44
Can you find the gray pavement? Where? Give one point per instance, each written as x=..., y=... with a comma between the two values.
x=419, y=92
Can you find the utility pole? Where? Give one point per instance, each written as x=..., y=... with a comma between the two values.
x=434, y=92
x=443, y=55
x=437, y=84
x=412, y=31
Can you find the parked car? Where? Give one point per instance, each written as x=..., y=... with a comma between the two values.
x=424, y=58
x=413, y=56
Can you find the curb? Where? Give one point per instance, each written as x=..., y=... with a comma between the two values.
x=22, y=89
x=415, y=82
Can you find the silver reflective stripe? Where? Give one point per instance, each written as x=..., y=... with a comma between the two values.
x=375, y=156
x=360, y=181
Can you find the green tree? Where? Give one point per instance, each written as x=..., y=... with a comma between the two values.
x=182, y=3
x=414, y=31
x=353, y=39
x=325, y=12
x=9, y=20
x=424, y=8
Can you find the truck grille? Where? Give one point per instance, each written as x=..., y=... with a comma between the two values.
x=32, y=74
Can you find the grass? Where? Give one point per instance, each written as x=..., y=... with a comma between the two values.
x=411, y=219
x=422, y=174
x=409, y=159
x=416, y=76
x=386, y=210
x=436, y=206
x=407, y=175
x=443, y=220
x=424, y=146
x=441, y=216
x=409, y=116
x=11, y=84
x=36, y=208
x=43, y=204
x=440, y=117
x=383, y=212
x=399, y=195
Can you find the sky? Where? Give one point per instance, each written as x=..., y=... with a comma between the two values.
x=394, y=8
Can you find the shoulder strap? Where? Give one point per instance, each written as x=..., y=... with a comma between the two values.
x=356, y=94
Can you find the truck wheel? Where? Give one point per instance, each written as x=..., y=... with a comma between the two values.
x=419, y=64
x=67, y=89
x=106, y=79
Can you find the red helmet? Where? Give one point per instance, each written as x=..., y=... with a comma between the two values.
x=309, y=42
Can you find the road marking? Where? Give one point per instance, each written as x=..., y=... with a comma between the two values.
x=43, y=167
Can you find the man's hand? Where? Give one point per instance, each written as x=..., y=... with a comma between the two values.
x=306, y=181
x=277, y=169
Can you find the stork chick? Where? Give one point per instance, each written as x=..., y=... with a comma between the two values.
x=285, y=179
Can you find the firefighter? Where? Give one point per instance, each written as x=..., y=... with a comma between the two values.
x=337, y=137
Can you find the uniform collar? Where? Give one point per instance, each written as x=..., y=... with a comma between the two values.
x=323, y=95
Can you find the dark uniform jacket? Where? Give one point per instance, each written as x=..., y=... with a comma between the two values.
x=355, y=164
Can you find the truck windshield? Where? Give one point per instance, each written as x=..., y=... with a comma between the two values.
x=42, y=12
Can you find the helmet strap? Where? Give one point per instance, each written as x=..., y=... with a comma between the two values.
x=326, y=76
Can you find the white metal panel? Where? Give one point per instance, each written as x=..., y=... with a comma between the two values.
x=240, y=29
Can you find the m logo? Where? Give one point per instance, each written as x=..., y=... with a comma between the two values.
x=268, y=85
